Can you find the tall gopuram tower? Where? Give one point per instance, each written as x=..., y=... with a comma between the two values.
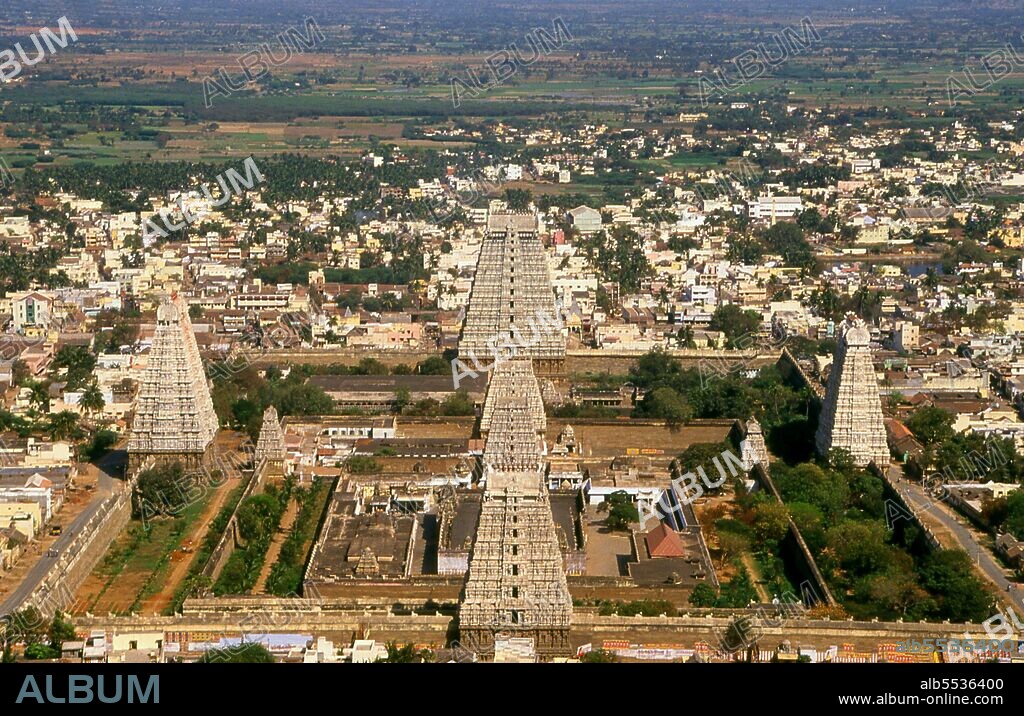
x=851, y=415
x=753, y=450
x=270, y=445
x=174, y=416
x=516, y=585
x=512, y=303
x=511, y=378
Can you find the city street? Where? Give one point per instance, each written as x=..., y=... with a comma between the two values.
x=109, y=465
x=968, y=538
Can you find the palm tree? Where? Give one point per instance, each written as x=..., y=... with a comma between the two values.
x=63, y=425
x=92, y=399
x=40, y=395
x=400, y=654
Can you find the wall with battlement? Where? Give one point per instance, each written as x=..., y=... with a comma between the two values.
x=818, y=632
x=892, y=492
x=576, y=361
x=229, y=540
x=68, y=571
x=433, y=628
x=798, y=553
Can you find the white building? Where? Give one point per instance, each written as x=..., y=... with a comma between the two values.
x=585, y=220
x=31, y=312
x=906, y=336
x=775, y=207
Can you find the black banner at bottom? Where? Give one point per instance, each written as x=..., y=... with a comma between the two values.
x=211, y=685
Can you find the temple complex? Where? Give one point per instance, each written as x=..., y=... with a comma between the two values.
x=512, y=304
x=851, y=415
x=516, y=587
x=174, y=417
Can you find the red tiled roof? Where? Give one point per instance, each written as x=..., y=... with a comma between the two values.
x=663, y=541
x=899, y=430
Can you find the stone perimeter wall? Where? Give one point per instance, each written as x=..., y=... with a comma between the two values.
x=229, y=540
x=576, y=361
x=892, y=492
x=434, y=627
x=808, y=567
x=57, y=589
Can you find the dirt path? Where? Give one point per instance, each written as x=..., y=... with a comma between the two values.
x=287, y=520
x=227, y=446
x=192, y=539
x=755, y=577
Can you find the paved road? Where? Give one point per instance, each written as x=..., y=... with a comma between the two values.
x=993, y=570
x=107, y=465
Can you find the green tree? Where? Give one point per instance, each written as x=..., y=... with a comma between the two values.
x=771, y=522
x=739, y=591
x=703, y=595
x=77, y=363
x=810, y=219
x=703, y=455
x=63, y=425
x=39, y=395
x=968, y=456
x=731, y=544
x=621, y=510
x=787, y=240
x=406, y=654
x=434, y=365
x=370, y=366
x=599, y=656
x=102, y=441
x=959, y=594
x=402, y=400
x=618, y=257
x=244, y=412
x=736, y=323
x=92, y=399
x=858, y=548
x=305, y=399
x=160, y=490
x=808, y=483
x=665, y=404
x=1007, y=513
x=20, y=372
x=28, y=625
x=61, y=630
x=827, y=302
x=458, y=403
x=258, y=516
x=745, y=251
x=654, y=368
x=931, y=424
x=810, y=520
x=896, y=591
x=361, y=465
x=39, y=651
x=518, y=199
x=246, y=653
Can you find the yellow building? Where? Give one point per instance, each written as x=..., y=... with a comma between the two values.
x=1012, y=236
x=15, y=512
